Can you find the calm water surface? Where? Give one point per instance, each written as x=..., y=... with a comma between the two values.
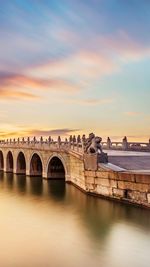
x=50, y=223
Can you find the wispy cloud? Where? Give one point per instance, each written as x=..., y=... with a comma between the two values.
x=85, y=64
x=124, y=46
x=90, y=101
x=17, y=86
x=53, y=132
x=132, y=113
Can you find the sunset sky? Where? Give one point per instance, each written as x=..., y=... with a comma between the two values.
x=75, y=66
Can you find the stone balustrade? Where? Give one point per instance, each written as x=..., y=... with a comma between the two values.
x=76, y=143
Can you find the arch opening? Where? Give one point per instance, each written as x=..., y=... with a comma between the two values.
x=21, y=164
x=56, y=169
x=1, y=161
x=9, y=162
x=36, y=168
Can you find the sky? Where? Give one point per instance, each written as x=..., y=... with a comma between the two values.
x=74, y=67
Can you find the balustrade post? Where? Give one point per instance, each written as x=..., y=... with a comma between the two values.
x=49, y=140
x=108, y=143
x=70, y=140
x=83, y=142
x=66, y=141
x=41, y=140
x=34, y=140
x=28, y=140
x=59, y=141
x=125, y=143
x=74, y=141
x=78, y=139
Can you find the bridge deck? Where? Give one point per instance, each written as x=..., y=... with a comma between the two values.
x=129, y=160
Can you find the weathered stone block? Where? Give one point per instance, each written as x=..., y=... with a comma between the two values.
x=129, y=177
x=113, y=183
x=148, y=198
x=90, y=187
x=113, y=175
x=89, y=180
x=133, y=186
x=118, y=192
x=137, y=196
x=103, y=190
x=102, y=174
x=103, y=182
x=125, y=185
x=141, y=187
x=90, y=173
x=90, y=162
x=142, y=178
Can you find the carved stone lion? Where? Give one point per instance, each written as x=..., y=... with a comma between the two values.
x=93, y=146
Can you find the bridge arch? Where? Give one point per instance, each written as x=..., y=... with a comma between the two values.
x=56, y=167
x=9, y=162
x=36, y=165
x=21, y=163
x=1, y=160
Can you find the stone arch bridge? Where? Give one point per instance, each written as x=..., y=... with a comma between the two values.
x=45, y=159
x=67, y=160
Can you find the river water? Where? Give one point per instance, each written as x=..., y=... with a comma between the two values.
x=52, y=224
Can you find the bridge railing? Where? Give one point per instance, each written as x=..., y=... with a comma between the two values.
x=44, y=144
x=125, y=145
x=74, y=144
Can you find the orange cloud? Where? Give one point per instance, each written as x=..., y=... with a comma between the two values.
x=9, y=94
x=15, y=86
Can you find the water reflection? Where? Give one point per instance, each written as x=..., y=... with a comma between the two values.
x=21, y=183
x=64, y=215
x=36, y=186
x=56, y=189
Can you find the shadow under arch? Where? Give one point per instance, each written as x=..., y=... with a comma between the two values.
x=21, y=164
x=9, y=162
x=56, y=168
x=1, y=161
x=36, y=166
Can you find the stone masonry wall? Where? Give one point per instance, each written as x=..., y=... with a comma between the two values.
x=124, y=186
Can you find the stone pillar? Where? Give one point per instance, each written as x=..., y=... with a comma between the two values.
x=74, y=141
x=70, y=141
x=28, y=140
x=108, y=143
x=59, y=141
x=78, y=139
x=125, y=143
x=41, y=140
x=49, y=139
x=83, y=142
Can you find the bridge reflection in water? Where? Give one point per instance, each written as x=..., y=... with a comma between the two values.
x=51, y=223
